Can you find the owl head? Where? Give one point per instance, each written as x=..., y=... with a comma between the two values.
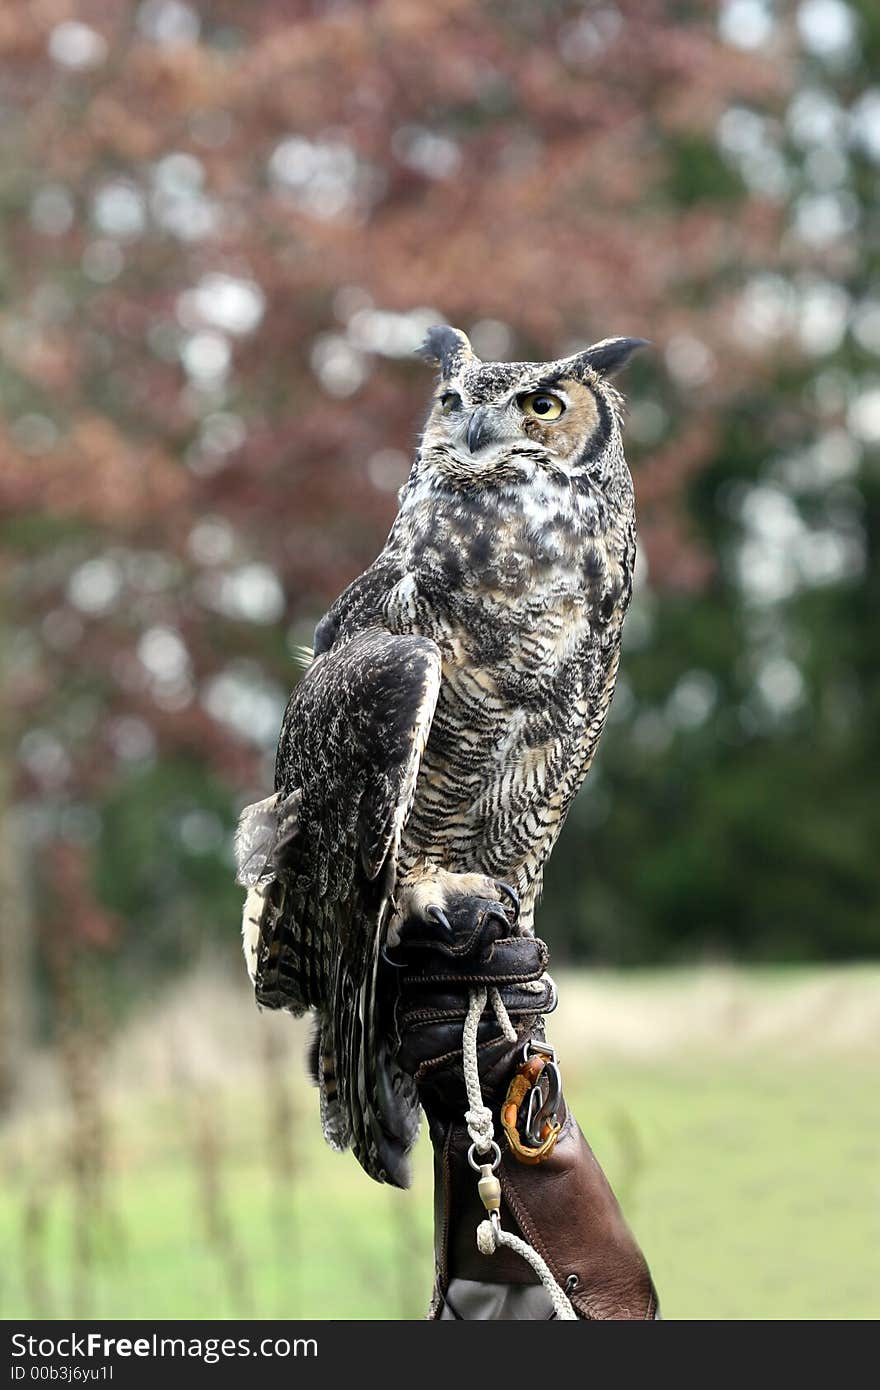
x=489, y=422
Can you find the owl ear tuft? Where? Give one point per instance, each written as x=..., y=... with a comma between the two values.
x=611, y=355
x=447, y=346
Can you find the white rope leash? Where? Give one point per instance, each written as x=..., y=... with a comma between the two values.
x=478, y=1117
x=480, y=1127
x=490, y=1235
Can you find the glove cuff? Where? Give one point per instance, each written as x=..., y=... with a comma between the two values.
x=564, y=1208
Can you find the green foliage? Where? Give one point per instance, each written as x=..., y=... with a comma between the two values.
x=697, y=173
x=163, y=866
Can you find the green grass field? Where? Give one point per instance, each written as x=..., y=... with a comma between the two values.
x=736, y=1115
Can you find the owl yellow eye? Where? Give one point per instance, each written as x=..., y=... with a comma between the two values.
x=449, y=401
x=541, y=405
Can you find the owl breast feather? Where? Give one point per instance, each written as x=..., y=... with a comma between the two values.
x=525, y=604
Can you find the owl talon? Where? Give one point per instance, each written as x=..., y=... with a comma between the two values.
x=395, y=964
x=512, y=895
x=440, y=918
x=495, y=913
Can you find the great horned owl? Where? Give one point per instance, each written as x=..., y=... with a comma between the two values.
x=429, y=755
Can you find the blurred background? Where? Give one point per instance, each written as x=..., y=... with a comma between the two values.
x=225, y=227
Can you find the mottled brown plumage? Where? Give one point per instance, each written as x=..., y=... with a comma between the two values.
x=459, y=687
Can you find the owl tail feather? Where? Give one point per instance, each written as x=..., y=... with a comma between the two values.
x=334, y=1123
x=375, y=1108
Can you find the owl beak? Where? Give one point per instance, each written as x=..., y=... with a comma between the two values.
x=482, y=429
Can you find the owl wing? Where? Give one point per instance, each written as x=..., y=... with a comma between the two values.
x=319, y=860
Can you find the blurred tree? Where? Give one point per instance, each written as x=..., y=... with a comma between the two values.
x=735, y=810
x=226, y=228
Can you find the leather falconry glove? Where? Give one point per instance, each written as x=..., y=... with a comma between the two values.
x=562, y=1205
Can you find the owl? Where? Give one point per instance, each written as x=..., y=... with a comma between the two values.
x=450, y=711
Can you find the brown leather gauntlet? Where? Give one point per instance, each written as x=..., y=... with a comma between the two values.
x=564, y=1208
x=563, y=1205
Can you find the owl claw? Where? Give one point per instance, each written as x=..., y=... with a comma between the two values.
x=513, y=896
x=496, y=912
x=396, y=964
x=440, y=918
